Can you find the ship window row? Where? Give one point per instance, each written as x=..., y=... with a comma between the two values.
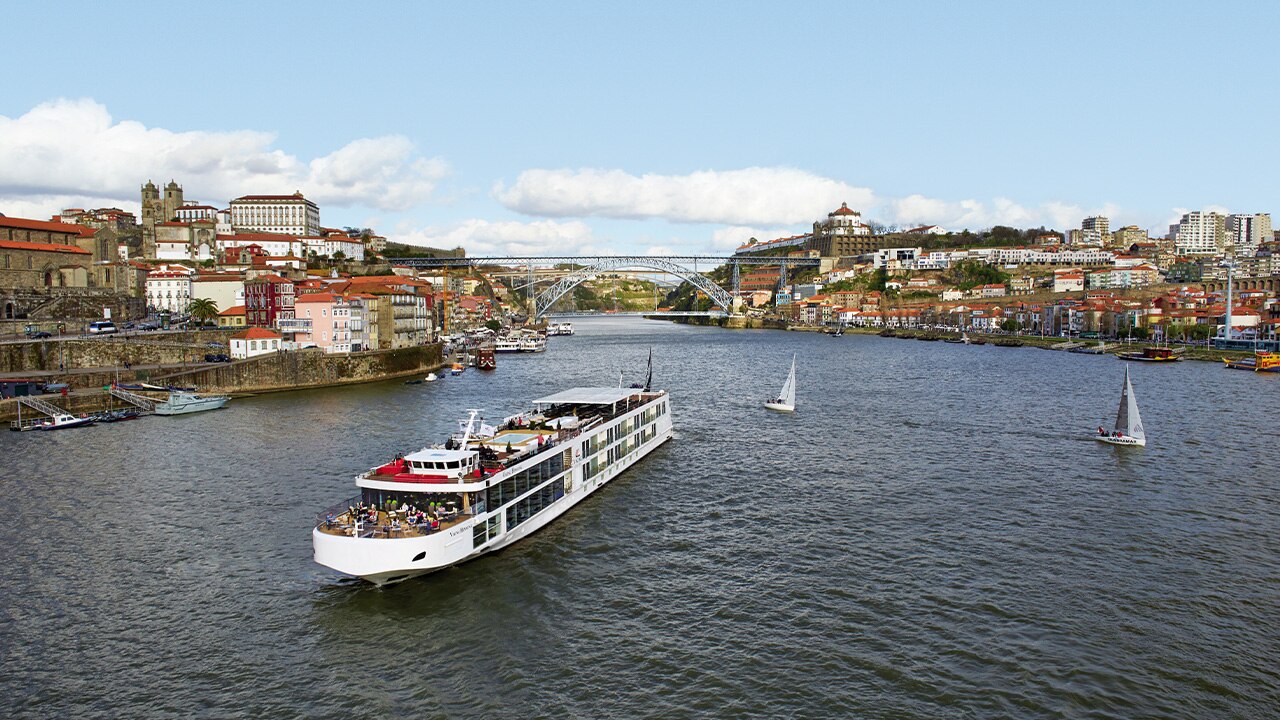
x=485, y=531
x=535, y=503
x=522, y=482
x=597, y=463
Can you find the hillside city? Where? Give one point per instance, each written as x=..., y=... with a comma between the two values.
x=265, y=267
x=1090, y=281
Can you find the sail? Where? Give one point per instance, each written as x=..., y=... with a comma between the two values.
x=788, y=394
x=1128, y=421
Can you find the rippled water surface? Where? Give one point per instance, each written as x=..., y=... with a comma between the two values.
x=933, y=534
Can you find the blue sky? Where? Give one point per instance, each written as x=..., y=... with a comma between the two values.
x=648, y=127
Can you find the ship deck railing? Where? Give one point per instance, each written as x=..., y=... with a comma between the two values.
x=331, y=523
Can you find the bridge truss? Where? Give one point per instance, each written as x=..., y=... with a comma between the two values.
x=685, y=267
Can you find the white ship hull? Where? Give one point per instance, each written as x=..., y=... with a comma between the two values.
x=381, y=560
x=191, y=406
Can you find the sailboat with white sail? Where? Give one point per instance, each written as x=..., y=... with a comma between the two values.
x=1128, y=429
x=786, y=400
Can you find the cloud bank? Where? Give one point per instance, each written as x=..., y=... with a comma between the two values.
x=74, y=148
x=783, y=200
x=486, y=238
x=751, y=196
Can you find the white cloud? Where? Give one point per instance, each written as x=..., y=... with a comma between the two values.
x=760, y=196
x=486, y=238
x=1178, y=212
x=764, y=203
x=730, y=238
x=75, y=148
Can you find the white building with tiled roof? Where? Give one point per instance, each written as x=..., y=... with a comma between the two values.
x=287, y=214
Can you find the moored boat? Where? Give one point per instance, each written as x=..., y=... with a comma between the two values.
x=66, y=421
x=485, y=359
x=533, y=343
x=1261, y=361
x=181, y=402
x=1151, y=354
x=489, y=487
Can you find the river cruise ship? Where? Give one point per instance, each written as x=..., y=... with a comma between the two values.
x=488, y=487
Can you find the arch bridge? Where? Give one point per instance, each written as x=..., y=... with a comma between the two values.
x=685, y=267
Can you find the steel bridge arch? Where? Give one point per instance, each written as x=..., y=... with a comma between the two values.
x=548, y=297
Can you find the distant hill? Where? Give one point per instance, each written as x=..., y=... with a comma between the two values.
x=400, y=250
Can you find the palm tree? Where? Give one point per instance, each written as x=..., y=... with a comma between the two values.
x=203, y=310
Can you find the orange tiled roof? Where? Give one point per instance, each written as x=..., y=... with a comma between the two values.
x=42, y=247
x=256, y=333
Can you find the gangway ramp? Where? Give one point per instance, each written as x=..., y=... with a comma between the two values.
x=35, y=404
x=132, y=398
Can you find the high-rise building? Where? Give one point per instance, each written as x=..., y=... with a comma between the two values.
x=1247, y=232
x=1095, y=230
x=1127, y=236
x=1201, y=233
x=287, y=214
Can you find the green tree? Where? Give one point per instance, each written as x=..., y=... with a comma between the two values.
x=339, y=256
x=493, y=325
x=1010, y=325
x=1199, y=332
x=968, y=274
x=1139, y=333
x=202, y=310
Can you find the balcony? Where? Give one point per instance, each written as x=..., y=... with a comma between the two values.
x=294, y=324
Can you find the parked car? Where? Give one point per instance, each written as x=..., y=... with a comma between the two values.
x=148, y=326
x=102, y=327
x=213, y=344
x=217, y=357
x=39, y=334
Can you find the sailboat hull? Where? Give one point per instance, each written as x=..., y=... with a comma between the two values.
x=1122, y=441
x=780, y=407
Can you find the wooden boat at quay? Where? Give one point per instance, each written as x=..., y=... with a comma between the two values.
x=1261, y=361
x=1151, y=354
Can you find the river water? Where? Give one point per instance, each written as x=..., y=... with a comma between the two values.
x=933, y=534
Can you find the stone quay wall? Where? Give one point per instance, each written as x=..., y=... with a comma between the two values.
x=295, y=370
x=266, y=373
x=55, y=354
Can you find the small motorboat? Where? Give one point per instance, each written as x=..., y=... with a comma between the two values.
x=64, y=422
x=431, y=377
x=457, y=368
x=414, y=381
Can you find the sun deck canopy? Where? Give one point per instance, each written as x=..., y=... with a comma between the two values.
x=589, y=396
x=439, y=455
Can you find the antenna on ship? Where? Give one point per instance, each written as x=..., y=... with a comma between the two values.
x=648, y=380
